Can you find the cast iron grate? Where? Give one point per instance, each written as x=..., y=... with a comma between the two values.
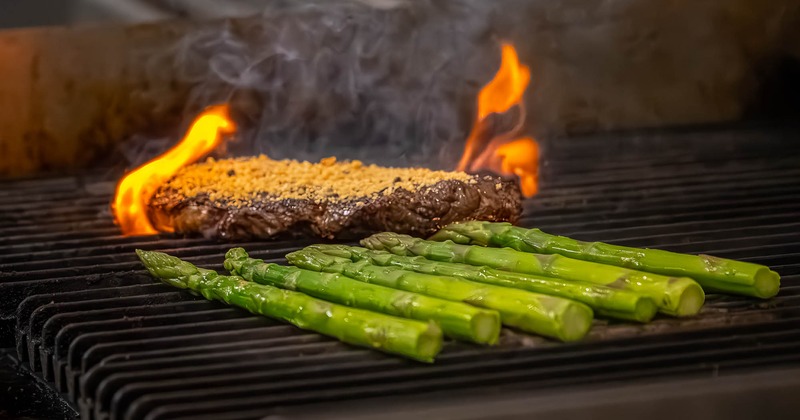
x=83, y=314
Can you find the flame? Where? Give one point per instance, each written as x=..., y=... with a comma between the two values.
x=137, y=187
x=520, y=157
x=505, y=153
x=507, y=87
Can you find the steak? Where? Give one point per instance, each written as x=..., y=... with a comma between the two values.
x=258, y=197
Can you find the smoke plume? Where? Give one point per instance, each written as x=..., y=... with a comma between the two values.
x=389, y=81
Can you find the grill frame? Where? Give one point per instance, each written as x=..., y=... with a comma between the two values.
x=82, y=314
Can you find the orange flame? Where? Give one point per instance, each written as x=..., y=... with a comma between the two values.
x=520, y=157
x=505, y=153
x=137, y=187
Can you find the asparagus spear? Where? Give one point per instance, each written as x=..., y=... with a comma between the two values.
x=414, y=339
x=457, y=320
x=714, y=274
x=546, y=315
x=606, y=301
x=679, y=296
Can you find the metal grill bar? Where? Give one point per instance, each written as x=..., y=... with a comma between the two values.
x=83, y=314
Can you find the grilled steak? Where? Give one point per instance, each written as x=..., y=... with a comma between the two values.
x=261, y=198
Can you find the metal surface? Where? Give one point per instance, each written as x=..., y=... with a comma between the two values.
x=753, y=395
x=83, y=314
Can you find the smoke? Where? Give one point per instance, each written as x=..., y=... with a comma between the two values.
x=384, y=81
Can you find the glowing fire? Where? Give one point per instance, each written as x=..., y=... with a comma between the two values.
x=137, y=187
x=505, y=153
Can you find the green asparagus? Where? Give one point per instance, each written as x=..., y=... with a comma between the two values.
x=546, y=315
x=678, y=296
x=414, y=339
x=713, y=273
x=457, y=320
x=606, y=301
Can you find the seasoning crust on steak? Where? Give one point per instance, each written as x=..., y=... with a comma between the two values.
x=259, y=197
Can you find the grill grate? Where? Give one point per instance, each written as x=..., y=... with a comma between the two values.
x=83, y=314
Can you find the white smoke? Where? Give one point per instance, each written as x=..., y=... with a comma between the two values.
x=392, y=82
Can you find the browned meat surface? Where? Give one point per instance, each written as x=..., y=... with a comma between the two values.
x=263, y=207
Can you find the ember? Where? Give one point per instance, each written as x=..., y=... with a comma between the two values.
x=505, y=153
x=135, y=189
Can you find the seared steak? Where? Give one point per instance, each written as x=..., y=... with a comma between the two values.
x=262, y=198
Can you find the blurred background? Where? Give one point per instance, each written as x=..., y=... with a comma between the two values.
x=90, y=83
x=16, y=13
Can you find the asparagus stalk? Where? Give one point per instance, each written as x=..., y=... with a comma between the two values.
x=414, y=339
x=546, y=315
x=606, y=301
x=713, y=273
x=457, y=320
x=678, y=296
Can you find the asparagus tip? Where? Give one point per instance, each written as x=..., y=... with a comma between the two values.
x=236, y=254
x=342, y=251
x=234, y=259
x=169, y=269
x=385, y=241
x=313, y=258
x=449, y=235
x=470, y=232
x=153, y=260
x=367, y=242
